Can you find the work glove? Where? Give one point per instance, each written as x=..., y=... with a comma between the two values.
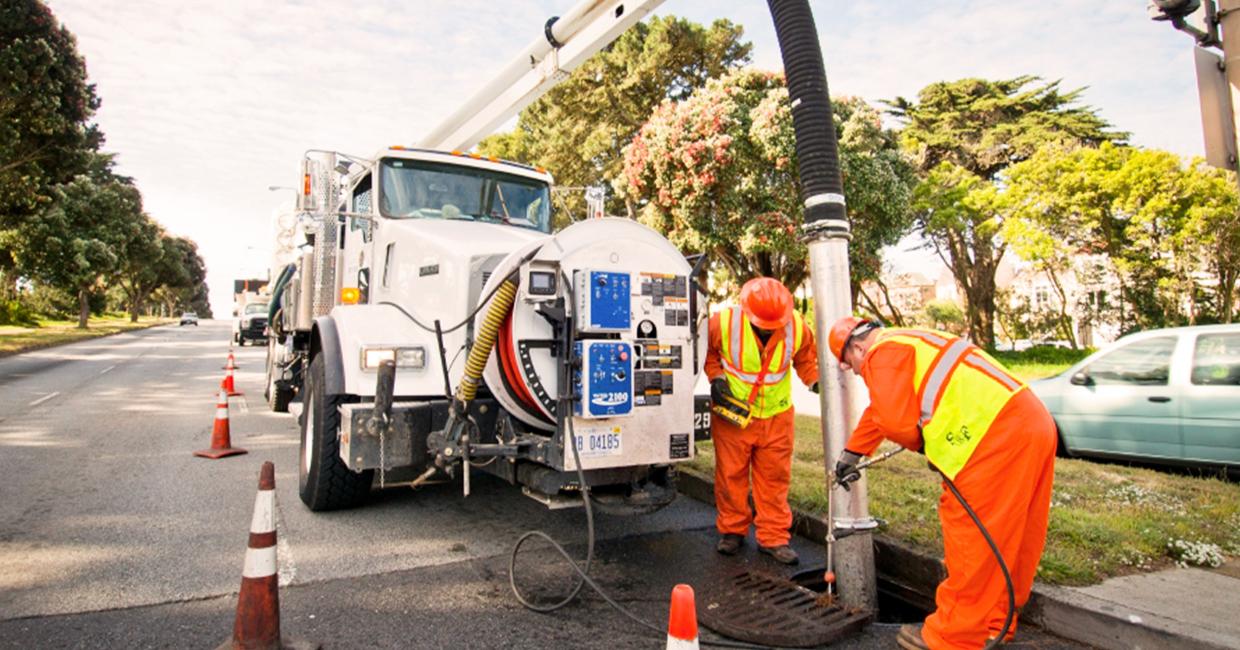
x=719, y=390
x=846, y=469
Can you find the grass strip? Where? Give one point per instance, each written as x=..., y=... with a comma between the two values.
x=14, y=340
x=1106, y=519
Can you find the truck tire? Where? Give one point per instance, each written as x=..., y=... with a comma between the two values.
x=325, y=482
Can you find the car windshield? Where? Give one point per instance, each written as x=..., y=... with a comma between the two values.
x=416, y=189
x=256, y=308
x=189, y=314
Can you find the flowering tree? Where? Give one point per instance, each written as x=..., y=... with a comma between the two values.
x=717, y=174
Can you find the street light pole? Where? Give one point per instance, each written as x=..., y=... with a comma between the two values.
x=1228, y=17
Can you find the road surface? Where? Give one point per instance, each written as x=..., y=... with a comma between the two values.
x=113, y=535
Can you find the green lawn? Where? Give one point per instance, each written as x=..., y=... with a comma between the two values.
x=15, y=339
x=1106, y=520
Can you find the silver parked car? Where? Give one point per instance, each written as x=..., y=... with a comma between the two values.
x=1166, y=396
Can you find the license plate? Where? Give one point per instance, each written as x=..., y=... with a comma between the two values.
x=593, y=445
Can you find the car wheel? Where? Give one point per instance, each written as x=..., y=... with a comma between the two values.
x=325, y=482
x=1061, y=447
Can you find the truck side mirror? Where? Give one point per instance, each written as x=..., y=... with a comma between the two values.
x=1081, y=378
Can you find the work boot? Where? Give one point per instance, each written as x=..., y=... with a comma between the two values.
x=910, y=638
x=782, y=554
x=729, y=544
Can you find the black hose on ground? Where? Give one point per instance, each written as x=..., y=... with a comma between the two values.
x=564, y=415
x=994, y=548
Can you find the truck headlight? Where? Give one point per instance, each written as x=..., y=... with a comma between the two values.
x=405, y=357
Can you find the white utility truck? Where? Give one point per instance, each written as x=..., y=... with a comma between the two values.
x=434, y=323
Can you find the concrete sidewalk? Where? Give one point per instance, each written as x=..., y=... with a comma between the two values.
x=1175, y=608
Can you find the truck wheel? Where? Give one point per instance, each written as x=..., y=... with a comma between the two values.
x=326, y=483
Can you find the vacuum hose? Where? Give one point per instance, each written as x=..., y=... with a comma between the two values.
x=818, y=159
x=481, y=349
x=458, y=419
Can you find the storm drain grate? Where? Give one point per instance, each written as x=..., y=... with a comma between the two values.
x=761, y=608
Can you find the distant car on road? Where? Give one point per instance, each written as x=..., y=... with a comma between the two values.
x=252, y=324
x=1165, y=396
x=189, y=318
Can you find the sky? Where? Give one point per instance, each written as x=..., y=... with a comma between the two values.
x=207, y=104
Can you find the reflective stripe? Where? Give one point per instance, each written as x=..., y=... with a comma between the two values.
x=755, y=372
x=259, y=562
x=928, y=337
x=738, y=321
x=748, y=378
x=937, y=377
x=993, y=372
x=264, y=520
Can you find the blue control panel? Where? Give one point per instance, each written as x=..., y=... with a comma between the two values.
x=604, y=302
x=605, y=380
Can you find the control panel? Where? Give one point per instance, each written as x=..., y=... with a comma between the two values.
x=604, y=382
x=603, y=302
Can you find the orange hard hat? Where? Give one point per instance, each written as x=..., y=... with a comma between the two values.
x=767, y=303
x=843, y=330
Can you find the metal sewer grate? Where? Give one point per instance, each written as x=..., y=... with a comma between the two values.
x=760, y=608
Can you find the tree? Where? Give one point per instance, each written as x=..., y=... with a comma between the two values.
x=717, y=174
x=966, y=133
x=944, y=315
x=45, y=103
x=1050, y=219
x=147, y=260
x=1162, y=224
x=579, y=128
x=188, y=288
x=75, y=243
x=1212, y=231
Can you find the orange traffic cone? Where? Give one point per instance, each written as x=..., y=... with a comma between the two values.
x=232, y=363
x=229, y=386
x=221, y=444
x=682, y=630
x=257, y=626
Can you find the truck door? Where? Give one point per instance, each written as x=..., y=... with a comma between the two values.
x=357, y=236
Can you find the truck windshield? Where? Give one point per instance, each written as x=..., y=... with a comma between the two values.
x=256, y=308
x=413, y=189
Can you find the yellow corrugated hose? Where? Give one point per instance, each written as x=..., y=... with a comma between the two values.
x=481, y=350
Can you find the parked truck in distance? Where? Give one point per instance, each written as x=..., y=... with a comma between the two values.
x=433, y=324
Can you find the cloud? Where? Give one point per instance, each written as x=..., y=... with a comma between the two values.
x=209, y=103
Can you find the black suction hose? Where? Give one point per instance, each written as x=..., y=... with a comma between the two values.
x=994, y=548
x=818, y=158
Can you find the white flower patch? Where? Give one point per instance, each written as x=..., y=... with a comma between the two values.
x=1189, y=553
x=1135, y=495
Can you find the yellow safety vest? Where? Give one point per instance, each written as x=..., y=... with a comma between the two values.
x=960, y=390
x=768, y=393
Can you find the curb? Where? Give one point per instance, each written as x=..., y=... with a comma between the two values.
x=1060, y=610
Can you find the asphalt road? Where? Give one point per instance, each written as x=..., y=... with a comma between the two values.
x=113, y=535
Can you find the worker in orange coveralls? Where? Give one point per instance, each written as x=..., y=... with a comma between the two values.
x=752, y=350
x=981, y=428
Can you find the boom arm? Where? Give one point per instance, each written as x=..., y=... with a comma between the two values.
x=566, y=43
